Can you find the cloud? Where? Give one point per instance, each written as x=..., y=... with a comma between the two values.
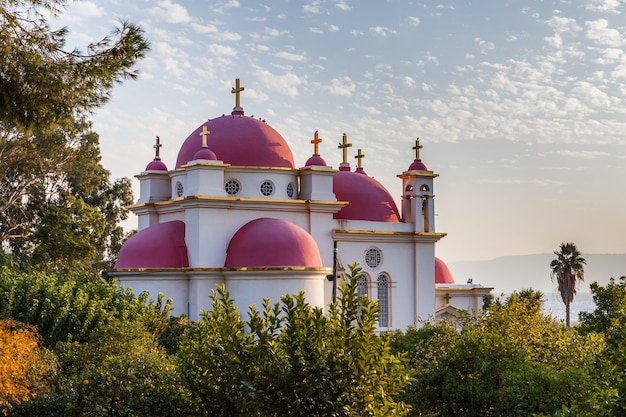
x=228, y=4
x=275, y=32
x=606, y=6
x=332, y=28
x=408, y=81
x=413, y=21
x=484, y=46
x=291, y=57
x=382, y=31
x=316, y=30
x=87, y=9
x=170, y=12
x=313, y=7
x=599, y=32
x=341, y=5
x=221, y=50
x=342, y=86
x=286, y=83
x=582, y=154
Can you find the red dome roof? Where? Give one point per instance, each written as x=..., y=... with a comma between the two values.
x=442, y=273
x=315, y=160
x=239, y=140
x=159, y=246
x=417, y=165
x=156, y=165
x=205, y=154
x=268, y=242
x=367, y=198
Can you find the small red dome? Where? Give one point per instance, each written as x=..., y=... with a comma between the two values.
x=315, y=160
x=156, y=165
x=442, y=273
x=417, y=165
x=239, y=140
x=159, y=246
x=205, y=154
x=268, y=242
x=367, y=198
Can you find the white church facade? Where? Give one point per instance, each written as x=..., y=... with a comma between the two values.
x=237, y=210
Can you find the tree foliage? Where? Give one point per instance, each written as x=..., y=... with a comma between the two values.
x=24, y=364
x=54, y=188
x=609, y=320
x=567, y=269
x=290, y=359
x=70, y=305
x=512, y=360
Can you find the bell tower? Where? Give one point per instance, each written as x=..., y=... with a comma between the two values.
x=418, y=199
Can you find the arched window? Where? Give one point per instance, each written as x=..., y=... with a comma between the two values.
x=361, y=285
x=383, y=300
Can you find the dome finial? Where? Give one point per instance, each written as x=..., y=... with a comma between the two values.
x=417, y=148
x=316, y=141
x=236, y=90
x=205, y=132
x=157, y=146
x=344, y=146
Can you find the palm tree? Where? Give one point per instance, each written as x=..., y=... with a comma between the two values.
x=567, y=268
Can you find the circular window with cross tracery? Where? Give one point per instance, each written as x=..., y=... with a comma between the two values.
x=232, y=187
x=373, y=257
x=267, y=188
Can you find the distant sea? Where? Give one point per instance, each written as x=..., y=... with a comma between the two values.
x=553, y=305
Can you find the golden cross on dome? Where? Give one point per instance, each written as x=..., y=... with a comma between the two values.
x=205, y=132
x=417, y=148
x=345, y=145
x=360, y=157
x=157, y=146
x=316, y=142
x=236, y=90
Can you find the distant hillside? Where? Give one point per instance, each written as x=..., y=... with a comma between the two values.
x=510, y=273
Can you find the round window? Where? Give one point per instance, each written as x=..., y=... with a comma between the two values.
x=179, y=189
x=290, y=190
x=373, y=257
x=267, y=188
x=232, y=187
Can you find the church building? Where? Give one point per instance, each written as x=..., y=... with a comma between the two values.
x=237, y=210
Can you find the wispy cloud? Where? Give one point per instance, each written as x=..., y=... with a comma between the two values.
x=382, y=31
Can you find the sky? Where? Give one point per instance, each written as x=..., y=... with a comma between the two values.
x=520, y=105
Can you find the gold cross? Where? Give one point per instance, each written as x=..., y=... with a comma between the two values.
x=447, y=298
x=157, y=145
x=205, y=132
x=236, y=90
x=345, y=145
x=417, y=148
x=360, y=157
x=316, y=141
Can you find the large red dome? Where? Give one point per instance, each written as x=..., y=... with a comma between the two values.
x=268, y=242
x=159, y=246
x=367, y=198
x=442, y=273
x=239, y=140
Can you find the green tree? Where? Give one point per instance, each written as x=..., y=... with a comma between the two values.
x=609, y=320
x=119, y=371
x=511, y=360
x=567, y=269
x=46, y=95
x=291, y=359
x=69, y=306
